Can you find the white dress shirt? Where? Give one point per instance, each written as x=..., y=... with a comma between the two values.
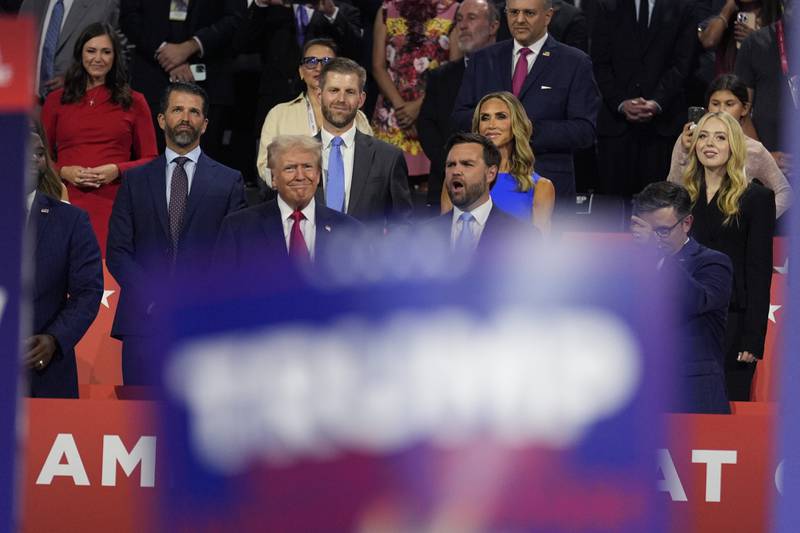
x=535, y=48
x=189, y=167
x=348, y=149
x=45, y=24
x=651, y=5
x=480, y=213
x=308, y=227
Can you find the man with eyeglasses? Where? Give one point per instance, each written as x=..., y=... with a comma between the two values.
x=553, y=81
x=702, y=279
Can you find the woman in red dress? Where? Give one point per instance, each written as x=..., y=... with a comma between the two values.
x=97, y=127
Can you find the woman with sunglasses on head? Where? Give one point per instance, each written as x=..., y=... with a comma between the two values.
x=303, y=115
x=518, y=189
x=737, y=218
x=729, y=94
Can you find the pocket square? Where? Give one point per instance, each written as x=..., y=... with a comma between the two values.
x=546, y=87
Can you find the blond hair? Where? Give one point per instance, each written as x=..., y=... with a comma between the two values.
x=283, y=143
x=521, y=159
x=734, y=183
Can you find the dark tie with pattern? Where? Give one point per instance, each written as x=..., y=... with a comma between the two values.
x=178, y=194
x=643, y=18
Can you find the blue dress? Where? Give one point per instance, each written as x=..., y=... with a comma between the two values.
x=507, y=197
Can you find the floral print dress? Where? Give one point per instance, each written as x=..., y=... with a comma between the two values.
x=416, y=42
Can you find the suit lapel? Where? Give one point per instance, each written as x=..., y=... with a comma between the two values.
x=503, y=53
x=39, y=216
x=325, y=227
x=158, y=190
x=201, y=181
x=272, y=225
x=362, y=159
x=542, y=64
x=74, y=21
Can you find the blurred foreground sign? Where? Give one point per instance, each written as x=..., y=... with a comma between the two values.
x=523, y=397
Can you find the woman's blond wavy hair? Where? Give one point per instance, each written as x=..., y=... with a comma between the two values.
x=734, y=183
x=521, y=159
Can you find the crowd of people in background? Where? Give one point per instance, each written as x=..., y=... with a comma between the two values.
x=162, y=120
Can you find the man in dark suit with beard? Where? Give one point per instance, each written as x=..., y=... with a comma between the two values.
x=477, y=22
x=362, y=176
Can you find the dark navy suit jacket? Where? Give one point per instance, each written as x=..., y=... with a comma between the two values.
x=560, y=97
x=704, y=279
x=139, y=243
x=254, y=237
x=67, y=290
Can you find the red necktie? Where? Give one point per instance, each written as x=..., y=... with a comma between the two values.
x=297, y=244
x=520, y=71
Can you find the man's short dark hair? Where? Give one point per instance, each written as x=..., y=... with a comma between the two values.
x=663, y=194
x=491, y=155
x=343, y=65
x=183, y=87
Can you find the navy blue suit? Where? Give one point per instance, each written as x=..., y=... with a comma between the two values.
x=67, y=290
x=704, y=280
x=560, y=97
x=139, y=243
x=254, y=237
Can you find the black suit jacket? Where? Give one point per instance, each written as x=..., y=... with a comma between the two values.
x=272, y=32
x=748, y=243
x=435, y=124
x=67, y=290
x=215, y=22
x=253, y=238
x=654, y=66
x=703, y=281
x=379, y=192
x=139, y=242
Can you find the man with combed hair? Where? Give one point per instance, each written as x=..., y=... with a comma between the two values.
x=703, y=277
x=362, y=176
x=294, y=225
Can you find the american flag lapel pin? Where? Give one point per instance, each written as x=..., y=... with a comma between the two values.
x=327, y=228
x=546, y=53
x=45, y=210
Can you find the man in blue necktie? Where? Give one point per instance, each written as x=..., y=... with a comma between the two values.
x=362, y=176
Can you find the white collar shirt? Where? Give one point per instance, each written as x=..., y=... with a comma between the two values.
x=535, y=48
x=189, y=167
x=308, y=226
x=651, y=4
x=480, y=214
x=348, y=149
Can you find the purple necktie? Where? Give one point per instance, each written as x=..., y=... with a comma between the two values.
x=178, y=194
x=302, y=23
x=520, y=71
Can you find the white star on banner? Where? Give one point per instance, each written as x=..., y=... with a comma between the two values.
x=104, y=300
x=772, y=309
x=782, y=269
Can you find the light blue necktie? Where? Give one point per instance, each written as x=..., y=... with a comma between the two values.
x=465, y=243
x=49, y=46
x=334, y=196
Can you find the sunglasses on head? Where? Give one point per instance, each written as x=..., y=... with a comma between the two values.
x=311, y=61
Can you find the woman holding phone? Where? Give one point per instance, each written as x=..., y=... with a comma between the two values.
x=727, y=93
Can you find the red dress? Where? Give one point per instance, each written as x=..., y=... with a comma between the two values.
x=94, y=132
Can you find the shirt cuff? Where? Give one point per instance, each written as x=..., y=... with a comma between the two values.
x=200, y=44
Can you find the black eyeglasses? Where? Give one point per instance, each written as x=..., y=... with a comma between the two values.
x=664, y=232
x=311, y=61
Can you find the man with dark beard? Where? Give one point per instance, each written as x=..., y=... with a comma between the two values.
x=474, y=224
x=165, y=220
x=362, y=176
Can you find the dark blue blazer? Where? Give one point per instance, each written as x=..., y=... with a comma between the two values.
x=254, y=236
x=67, y=290
x=560, y=97
x=704, y=279
x=139, y=243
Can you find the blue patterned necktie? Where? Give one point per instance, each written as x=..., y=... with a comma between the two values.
x=302, y=23
x=465, y=243
x=49, y=46
x=334, y=196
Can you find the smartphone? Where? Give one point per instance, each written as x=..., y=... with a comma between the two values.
x=198, y=72
x=696, y=113
x=748, y=19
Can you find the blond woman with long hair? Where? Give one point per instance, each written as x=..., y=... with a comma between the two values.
x=518, y=189
x=737, y=218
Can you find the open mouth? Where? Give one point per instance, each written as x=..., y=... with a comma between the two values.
x=456, y=185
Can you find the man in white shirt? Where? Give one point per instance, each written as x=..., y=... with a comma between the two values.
x=294, y=225
x=362, y=176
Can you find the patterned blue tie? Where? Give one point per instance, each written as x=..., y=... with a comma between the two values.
x=302, y=23
x=465, y=243
x=49, y=46
x=334, y=196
